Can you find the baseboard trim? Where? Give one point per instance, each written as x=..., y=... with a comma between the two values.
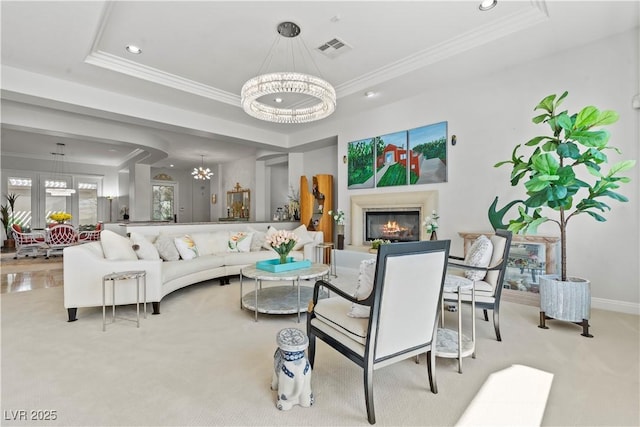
x=615, y=305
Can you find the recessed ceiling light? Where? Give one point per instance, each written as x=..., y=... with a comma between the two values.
x=369, y=94
x=170, y=166
x=278, y=100
x=487, y=4
x=133, y=49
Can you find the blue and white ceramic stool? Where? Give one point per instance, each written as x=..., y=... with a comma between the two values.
x=292, y=371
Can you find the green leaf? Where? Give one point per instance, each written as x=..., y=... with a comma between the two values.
x=597, y=139
x=616, y=196
x=607, y=117
x=569, y=150
x=539, y=119
x=587, y=117
x=536, y=184
x=597, y=217
x=621, y=166
x=546, y=104
x=564, y=121
x=536, y=140
x=545, y=163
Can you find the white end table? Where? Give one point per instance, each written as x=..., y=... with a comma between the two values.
x=124, y=275
x=454, y=344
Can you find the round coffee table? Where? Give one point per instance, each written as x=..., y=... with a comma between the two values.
x=279, y=299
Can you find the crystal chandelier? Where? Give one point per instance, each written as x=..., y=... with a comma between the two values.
x=201, y=172
x=57, y=186
x=288, y=83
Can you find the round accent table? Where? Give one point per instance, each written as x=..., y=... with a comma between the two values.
x=454, y=344
x=279, y=299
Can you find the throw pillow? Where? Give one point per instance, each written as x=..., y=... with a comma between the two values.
x=167, y=248
x=270, y=231
x=257, y=240
x=364, y=288
x=479, y=255
x=239, y=242
x=116, y=247
x=204, y=243
x=143, y=247
x=303, y=237
x=186, y=247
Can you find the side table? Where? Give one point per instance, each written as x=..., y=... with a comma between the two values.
x=454, y=344
x=124, y=275
x=322, y=249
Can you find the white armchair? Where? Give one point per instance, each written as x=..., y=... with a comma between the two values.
x=404, y=306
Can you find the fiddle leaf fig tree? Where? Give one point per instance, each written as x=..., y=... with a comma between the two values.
x=555, y=173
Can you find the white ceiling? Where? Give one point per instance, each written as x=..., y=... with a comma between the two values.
x=66, y=76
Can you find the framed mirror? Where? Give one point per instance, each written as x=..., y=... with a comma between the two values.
x=238, y=203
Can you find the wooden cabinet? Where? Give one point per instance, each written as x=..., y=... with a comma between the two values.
x=315, y=201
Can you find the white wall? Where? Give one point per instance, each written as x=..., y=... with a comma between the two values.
x=490, y=115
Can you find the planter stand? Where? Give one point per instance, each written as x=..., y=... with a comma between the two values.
x=569, y=301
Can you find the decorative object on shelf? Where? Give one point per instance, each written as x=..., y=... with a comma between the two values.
x=60, y=217
x=431, y=224
x=282, y=241
x=550, y=178
x=124, y=211
x=294, y=204
x=201, y=172
x=286, y=88
x=338, y=217
x=57, y=185
x=238, y=203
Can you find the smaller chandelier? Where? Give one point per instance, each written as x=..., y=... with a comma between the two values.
x=292, y=83
x=201, y=172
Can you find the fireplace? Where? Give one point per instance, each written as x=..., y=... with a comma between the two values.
x=422, y=201
x=395, y=225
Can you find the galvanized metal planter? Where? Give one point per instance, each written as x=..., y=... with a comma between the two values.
x=565, y=300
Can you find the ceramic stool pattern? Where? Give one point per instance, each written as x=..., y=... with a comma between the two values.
x=292, y=371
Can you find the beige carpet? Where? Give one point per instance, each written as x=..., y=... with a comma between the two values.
x=203, y=361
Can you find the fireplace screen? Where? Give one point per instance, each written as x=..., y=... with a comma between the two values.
x=397, y=226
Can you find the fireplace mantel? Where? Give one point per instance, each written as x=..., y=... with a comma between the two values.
x=426, y=201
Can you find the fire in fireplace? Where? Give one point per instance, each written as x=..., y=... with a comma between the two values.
x=396, y=225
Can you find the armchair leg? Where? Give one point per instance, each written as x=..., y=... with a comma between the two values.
x=486, y=316
x=368, y=394
x=311, y=350
x=156, y=307
x=496, y=323
x=431, y=363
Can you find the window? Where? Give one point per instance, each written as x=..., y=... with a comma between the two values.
x=22, y=188
x=163, y=202
x=87, y=203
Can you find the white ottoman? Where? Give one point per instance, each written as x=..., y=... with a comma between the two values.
x=292, y=371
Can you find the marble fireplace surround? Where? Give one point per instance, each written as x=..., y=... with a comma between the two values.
x=425, y=201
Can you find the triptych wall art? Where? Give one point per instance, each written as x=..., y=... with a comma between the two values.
x=415, y=156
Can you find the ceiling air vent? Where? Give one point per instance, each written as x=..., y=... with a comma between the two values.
x=334, y=47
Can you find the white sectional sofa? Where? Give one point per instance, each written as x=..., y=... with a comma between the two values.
x=217, y=255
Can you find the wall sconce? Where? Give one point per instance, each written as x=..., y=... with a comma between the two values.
x=344, y=159
x=213, y=199
x=454, y=140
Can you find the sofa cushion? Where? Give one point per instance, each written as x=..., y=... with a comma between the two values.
x=167, y=248
x=364, y=288
x=143, y=247
x=479, y=255
x=303, y=237
x=239, y=241
x=186, y=247
x=257, y=240
x=116, y=247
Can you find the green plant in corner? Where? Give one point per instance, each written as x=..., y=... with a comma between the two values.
x=4, y=215
x=551, y=172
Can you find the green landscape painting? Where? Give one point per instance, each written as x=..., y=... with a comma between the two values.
x=415, y=156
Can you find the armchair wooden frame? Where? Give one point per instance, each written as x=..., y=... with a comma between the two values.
x=415, y=272
x=497, y=265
